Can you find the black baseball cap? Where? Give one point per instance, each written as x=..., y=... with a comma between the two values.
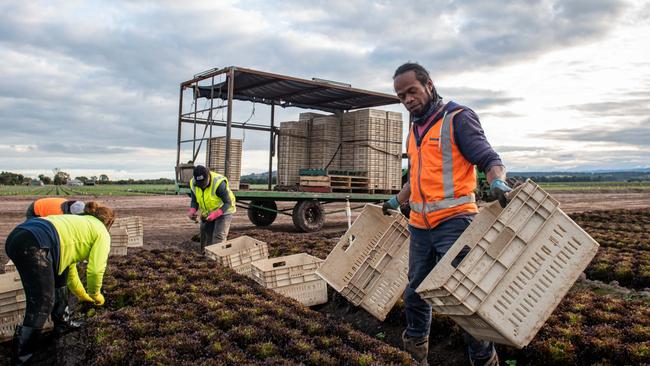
x=201, y=175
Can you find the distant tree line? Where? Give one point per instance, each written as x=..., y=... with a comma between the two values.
x=11, y=179
x=261, y=178
x=60, y=178
x=546, y=177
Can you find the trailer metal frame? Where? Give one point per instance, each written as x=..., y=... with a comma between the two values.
x=256, y=86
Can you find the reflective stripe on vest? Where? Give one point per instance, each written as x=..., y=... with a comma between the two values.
x=441, y=205
x=207, y=198
x=447, y=158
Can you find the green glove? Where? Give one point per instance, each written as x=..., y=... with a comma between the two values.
x=391, y=204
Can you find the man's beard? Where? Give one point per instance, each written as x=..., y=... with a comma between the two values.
x=424, y=109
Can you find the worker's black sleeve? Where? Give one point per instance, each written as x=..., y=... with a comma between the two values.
x=222, y=192
x=472, y=143
x=30, y=214
x=194, y=203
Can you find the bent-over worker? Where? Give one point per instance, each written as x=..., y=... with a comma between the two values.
x=54, y=206
x=444, y=145
x=45, y=252
x=212, y=196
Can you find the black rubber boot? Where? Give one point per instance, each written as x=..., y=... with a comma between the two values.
x=24, y=342
x=418, y=348
x=61, y=313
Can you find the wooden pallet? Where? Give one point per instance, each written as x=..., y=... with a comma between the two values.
x=348, y=183
x=314, y=181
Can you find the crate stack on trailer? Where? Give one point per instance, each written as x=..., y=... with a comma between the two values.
x=216, y=158
x=372, y=142
x=323, y=149
x=292, y=152
x=361, y=150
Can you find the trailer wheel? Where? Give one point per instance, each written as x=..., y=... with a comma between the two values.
x=308, y=216
x=260, y=217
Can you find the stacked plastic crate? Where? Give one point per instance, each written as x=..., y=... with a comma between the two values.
x=134, y=228
x=12, y=304
x=119, y=241
x=216, y=159
x=372, y=142
x=324, y=139
x=292, y=151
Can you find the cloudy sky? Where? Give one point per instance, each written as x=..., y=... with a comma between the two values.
x=91, y=87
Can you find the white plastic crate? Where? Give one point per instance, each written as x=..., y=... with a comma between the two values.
x=134, y=227
x=307, y=293
x=12, y=305
x=12, y=296
x=293, y=276
x=10, y=266
x=238, y=253
x=522, y=261
x=119, y=241
x=369, y=265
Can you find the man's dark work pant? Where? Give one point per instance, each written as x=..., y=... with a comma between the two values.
x=427, y=247
x=37, y=275
x=213, y=232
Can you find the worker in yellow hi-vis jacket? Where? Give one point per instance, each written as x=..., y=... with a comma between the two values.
x=45, y=252
x=211, y=195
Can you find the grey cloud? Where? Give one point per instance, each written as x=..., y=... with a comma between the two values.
x=630, y=135
x=114, y=83
x=553, y=159
x=501, y=114
x=509, y=149
x=71, y=147
x=478, y=98
x=626, y=108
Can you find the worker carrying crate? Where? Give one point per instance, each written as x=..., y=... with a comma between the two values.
x=212, y=196
x=444, y=145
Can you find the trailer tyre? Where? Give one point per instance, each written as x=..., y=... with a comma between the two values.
x=308, y=216
x=260, y=217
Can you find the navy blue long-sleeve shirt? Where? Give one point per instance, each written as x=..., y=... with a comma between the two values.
x=468, y=135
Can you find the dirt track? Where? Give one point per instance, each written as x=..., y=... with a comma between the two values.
x=167, y=226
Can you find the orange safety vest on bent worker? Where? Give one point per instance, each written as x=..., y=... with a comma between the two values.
x=442, y=180
x=49, y=206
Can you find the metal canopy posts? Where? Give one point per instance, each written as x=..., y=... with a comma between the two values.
x=275, y=90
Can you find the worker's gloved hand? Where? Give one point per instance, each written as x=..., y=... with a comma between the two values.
x=215, y=215
x=83, y=296
x=98, y=298
x=391, y=204
x=191, y=213
x=498, y=190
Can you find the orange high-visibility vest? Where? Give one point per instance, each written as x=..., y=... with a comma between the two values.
x=48, y=206
x=442, y=180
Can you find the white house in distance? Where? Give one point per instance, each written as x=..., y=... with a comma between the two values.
x=75, y=183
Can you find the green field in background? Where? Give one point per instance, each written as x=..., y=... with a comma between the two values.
x=165, y=189
x=98, y=190
x=566, y=186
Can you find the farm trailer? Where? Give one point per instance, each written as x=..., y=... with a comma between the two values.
x=275, y=90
